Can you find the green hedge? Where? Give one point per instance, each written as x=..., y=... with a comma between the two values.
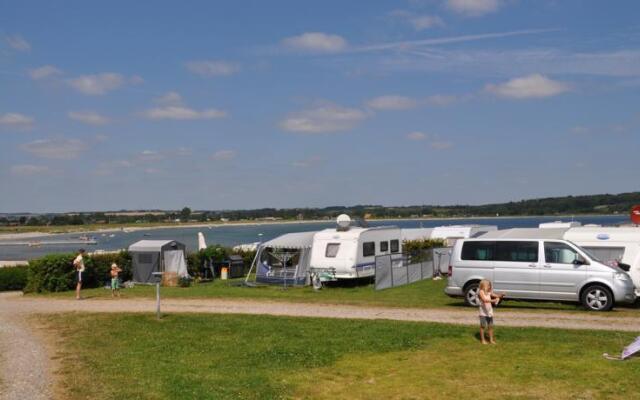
x=55, y=272
x=13, y=278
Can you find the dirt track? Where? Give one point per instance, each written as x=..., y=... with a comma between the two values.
x=26, y=373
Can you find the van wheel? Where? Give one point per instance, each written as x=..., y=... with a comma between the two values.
x=471, y=294
x=597, y=298
x=316, y=282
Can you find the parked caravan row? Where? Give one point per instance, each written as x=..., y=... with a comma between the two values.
x=536, y=264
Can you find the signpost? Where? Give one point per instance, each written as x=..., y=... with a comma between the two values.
x=635, y=215
x=158, y=276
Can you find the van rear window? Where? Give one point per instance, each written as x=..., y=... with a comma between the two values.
x=478, y=251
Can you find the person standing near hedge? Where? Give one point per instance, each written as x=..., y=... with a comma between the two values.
x=115, y=288
x=78, y=264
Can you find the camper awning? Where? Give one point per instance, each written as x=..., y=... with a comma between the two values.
x=149, y=245
x=298, y=240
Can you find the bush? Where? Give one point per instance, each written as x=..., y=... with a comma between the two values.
x=55, y=272
x=13, y=278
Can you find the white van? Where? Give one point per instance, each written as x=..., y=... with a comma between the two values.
x=536, y=264
x=351, y=252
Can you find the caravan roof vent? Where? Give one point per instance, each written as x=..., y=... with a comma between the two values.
x=343, y=222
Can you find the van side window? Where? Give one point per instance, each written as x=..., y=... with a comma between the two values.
x=516, y=251
x=478, y=251
x=332, y=250
x=395, y=246
x=384, y=247
x=559, y=253
x=368, y=249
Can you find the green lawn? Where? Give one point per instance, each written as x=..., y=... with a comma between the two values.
x=423, y=294
x=261, y=357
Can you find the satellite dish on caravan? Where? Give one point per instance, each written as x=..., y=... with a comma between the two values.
x=343, y=222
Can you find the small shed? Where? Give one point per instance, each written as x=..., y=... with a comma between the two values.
x=149, y=256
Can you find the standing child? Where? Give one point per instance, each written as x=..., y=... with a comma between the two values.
x=115, y=284
x=486, y=300
x=78, y=264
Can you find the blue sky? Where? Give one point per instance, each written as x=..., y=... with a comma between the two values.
x=248, y=104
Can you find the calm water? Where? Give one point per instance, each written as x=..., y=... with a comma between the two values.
x=233, y=235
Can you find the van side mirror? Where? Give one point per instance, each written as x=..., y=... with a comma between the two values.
x=579, y=260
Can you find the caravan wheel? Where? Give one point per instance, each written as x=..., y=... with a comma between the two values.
x=316, y=282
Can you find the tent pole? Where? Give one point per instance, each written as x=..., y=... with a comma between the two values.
x=255, y=258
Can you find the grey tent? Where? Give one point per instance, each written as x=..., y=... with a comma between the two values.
x=149, y=256
x=285, y=259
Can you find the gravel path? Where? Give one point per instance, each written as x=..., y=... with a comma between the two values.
x=25, y=367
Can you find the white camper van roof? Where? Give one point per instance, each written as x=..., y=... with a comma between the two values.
x=526, y=233
x=603, y=234
x=297, y=240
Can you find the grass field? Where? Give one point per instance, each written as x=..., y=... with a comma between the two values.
x=422, y=294
x=261, y=357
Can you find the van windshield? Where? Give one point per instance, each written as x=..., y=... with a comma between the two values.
x=587, y=252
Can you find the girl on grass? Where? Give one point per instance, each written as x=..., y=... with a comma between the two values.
x=115, y=288
x=486, y=300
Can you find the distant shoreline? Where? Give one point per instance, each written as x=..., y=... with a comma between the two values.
x=129, y=228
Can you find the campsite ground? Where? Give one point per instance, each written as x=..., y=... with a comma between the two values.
x=422, y=294
x=197, y=356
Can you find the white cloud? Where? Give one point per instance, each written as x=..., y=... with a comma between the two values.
x=97, y=84
x=392, y=102
x=441, y=145
x=16, y=120
x=473, y=8
x=29, y=169
x=308, y=162
x=223, y=155
x=323, y=118
x=43, y=72
x=17, y=42
x=213, y=67
x=422, y=22
x=441, y=99
x=61, y=149
x=172, y=98
x=531, y=86
x=417, y=136
x=316, y=42
x=183, y=113
x=88, y=117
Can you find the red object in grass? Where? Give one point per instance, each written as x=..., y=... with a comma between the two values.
x=635, y=215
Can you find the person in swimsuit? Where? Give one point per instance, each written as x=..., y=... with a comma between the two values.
x=78, y=264
x=486, y=300
x=115, y=287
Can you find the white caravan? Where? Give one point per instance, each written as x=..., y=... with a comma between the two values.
x=449, y=233
x=350, y=252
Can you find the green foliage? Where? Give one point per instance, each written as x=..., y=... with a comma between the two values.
x=13, y=278
x=184, y=281
x=55, y=272
x=218, y=254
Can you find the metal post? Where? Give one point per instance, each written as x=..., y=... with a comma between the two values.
x=158, y=276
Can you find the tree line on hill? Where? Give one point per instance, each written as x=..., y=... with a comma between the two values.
x=568, y=205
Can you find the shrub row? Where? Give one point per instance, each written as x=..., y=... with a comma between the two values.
x=55, y=272
x=13, y=278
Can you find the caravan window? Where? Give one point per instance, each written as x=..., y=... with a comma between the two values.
x=368, y=249
x=395, y=246
x=332, y=250
x=384, y=246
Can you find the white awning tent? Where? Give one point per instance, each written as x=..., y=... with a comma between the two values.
x=149, y=256
x=285, y=260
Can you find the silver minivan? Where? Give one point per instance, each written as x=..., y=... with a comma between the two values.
x=536, y=269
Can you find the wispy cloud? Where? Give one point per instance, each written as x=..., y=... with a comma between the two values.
x=441, y=99
x=417, y=21
x=316, y=42
x=183, y=113
x=43, y=72
x=88, y=117
x=98, y=84
x=417, y=136
x=171, y=98
x=392, y=102
x=473, y=8
x=224, y=155
x=16, y=120
x=323, y=118
x=212, y=68
x=29, y=170
x=526, y=87
x=60, y=149
x=17, y=42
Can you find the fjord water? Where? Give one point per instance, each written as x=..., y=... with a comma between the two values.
x=230, y=235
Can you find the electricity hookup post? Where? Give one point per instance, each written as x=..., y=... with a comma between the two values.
x=158, y=276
